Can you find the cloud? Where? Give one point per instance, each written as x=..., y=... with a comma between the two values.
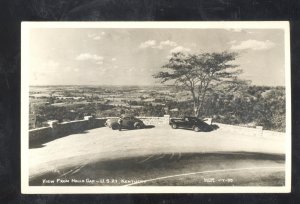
x=148, y=43
x=157, y=45
x=180, y=49
x=239, y=30
x=96, y=36
x=87, y=56
x=254, y=45
x=168, y=43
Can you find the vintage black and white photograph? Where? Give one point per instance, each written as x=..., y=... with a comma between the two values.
x=156, y=107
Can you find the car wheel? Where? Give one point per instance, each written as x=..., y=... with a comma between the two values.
x=115, y=126
x=174, y=126
x=214, y=127
x=196, y=129
x=208, y=129
x=137, y=126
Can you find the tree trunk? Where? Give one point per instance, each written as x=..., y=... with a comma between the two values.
x=201, y=101
x=195, y=109
x=198, y=111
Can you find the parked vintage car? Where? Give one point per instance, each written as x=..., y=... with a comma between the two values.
x=128, y=122
x=193, y=123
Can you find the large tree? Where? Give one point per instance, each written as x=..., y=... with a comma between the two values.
x=200, y=73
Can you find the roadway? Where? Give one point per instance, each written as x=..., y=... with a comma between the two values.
x=159, y=156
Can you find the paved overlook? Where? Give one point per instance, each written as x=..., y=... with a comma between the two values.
x=161, y=156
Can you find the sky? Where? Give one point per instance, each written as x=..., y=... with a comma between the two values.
x=115, y=56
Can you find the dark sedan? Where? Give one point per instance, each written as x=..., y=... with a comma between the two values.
x=193, y=123
x=128, y=122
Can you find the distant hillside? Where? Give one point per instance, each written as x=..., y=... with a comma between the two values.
x=247, y=106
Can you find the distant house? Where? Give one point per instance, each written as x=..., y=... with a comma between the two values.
x=116, y=103
x=174, y=110
x=135, y=107
x=157, y=104
x=70, y=97
x=149, y=100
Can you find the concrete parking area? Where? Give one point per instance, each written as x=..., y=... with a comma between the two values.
x=159, y=156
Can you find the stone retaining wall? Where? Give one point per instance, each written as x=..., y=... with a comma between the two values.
x=57, y=130
x=155, y=120
x=151, y=120
x=40, y=134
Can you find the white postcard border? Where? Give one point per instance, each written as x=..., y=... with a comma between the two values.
x=27, y=26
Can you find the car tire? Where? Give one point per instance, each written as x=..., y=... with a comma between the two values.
x=208, y=129
x=174, y=126
x=196, y=129
x=115, y=126
x=137, y=126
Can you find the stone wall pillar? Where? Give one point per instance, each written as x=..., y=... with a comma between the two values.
x=166, y=119
x=88, y=117
x=91, y=121
x=54, y=126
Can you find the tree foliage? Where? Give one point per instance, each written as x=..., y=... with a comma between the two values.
x=247, y=106
x=200, y=74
